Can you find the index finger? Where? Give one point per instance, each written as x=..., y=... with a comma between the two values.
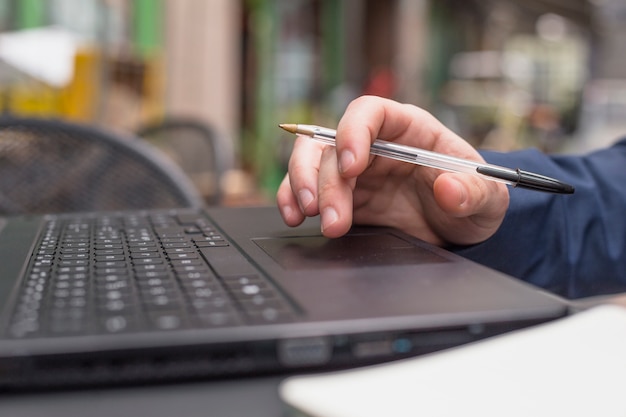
x=368, y=118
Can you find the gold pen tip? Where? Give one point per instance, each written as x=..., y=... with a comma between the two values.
x=291, y=128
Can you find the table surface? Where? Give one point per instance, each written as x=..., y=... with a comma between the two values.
x=254, y=397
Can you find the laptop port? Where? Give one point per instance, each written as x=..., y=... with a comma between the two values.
x=305, y=351
x=372, y=348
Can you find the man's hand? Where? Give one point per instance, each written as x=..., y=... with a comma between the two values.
x=346, y=185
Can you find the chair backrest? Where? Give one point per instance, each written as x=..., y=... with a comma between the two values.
x=197, y=148
x=51, y=166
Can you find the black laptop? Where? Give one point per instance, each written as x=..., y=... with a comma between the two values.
x=149, y=296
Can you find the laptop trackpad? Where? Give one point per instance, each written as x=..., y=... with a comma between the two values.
x=362, y=250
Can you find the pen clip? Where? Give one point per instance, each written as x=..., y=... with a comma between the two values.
x=529, y=180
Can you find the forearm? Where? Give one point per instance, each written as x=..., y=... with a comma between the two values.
x=573, y=245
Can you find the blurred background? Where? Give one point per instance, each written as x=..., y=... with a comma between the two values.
x=504, y=74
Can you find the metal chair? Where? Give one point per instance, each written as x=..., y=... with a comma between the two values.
x=197, y=148
x=50, y=166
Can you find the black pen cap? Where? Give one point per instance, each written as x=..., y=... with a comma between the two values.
x=529, y=180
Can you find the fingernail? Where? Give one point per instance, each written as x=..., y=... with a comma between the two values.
x=329, y=217
x=305, y=198
x=346, y=160
x=286, y=212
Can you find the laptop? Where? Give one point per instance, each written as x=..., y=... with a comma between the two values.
x=162, y=295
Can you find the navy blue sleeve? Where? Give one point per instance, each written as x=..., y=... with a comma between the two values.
x=573, y=245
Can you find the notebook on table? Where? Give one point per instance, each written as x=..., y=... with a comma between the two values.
x=127, y=297
x=562, y=368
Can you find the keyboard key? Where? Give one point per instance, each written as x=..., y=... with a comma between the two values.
x=216, y=319
x=270, y=315
x=116, y=324
x=166, y=320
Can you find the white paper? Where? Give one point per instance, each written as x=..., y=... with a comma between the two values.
x=571, y=367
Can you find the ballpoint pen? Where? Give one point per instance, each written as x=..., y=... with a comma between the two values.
x=513, y=177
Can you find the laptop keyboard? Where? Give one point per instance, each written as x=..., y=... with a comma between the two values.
x=126, y=273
